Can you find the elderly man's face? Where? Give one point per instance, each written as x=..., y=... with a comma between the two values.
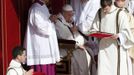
x=68, y=15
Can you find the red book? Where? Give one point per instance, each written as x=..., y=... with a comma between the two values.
x=38, y=73
x=100, y=34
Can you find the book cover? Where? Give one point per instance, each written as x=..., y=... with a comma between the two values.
x=100, y=34
x=38, y=73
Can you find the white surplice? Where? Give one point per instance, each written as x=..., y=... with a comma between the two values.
x=107, y=57
x=15, y=68
x=79, y=62
x=130, y=7
x=41, y=40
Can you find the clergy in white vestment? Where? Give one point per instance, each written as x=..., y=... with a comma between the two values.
x=130, y=7
x=117, y=45
x=41, y=40
x=19, y=57
x=126, y=6
x=85, y=11
x=81, y=60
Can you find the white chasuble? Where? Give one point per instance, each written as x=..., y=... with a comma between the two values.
x=81, y=59
x=108, y=56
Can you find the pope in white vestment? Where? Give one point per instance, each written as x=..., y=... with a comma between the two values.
x=80, y=60
x=40, y=39
x=108, y=51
